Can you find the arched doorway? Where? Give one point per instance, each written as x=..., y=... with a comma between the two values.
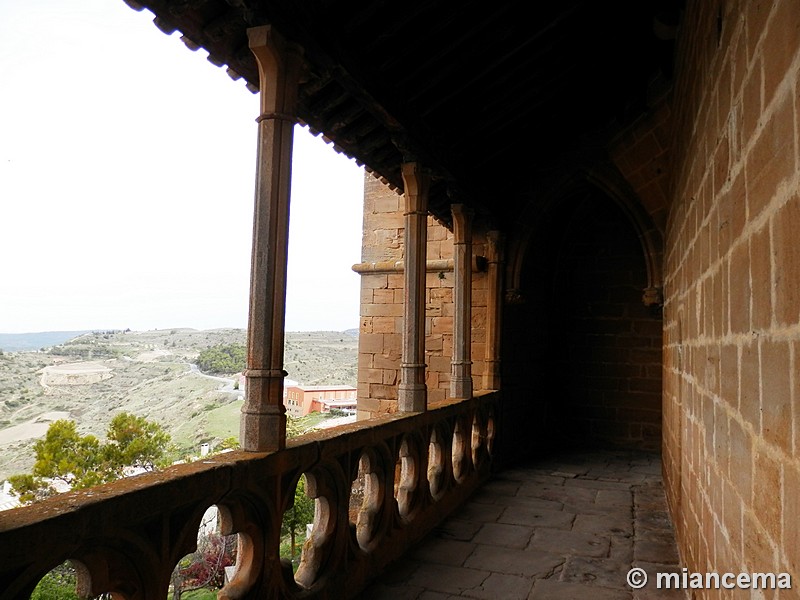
x=581, y=351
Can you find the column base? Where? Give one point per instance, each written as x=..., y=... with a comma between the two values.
x=412, y=397
x=461, y=388
x=263, y=431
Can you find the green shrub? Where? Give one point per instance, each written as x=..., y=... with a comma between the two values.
x=223, y=359
x=58, y=584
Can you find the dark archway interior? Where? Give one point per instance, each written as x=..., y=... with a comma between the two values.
x=581, y=352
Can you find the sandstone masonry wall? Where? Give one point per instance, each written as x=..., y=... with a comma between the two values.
x=731, y=445
x=379, y=351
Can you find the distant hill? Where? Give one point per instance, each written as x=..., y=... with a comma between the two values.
x=90, y=378
x=20, y=342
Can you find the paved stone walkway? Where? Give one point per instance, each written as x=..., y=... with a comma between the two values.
x=559, y=529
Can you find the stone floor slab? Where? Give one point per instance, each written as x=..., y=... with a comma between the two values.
x=457, y=529
x=550, y=589
x=498, y=585
x=535, y=517
x=559, y=493
x=501, y=487
x=444, y=552
x=599, y=484
x=481, y=512
x=428, y=595
x=611, y=522
x=570, y=543
x=531, y=502
x=614, y=497
x=382, y=591
x=449, y=580
x=568, y=528
x=501, y=534
x=654, y=547
x=525, y=563
x=603, y=572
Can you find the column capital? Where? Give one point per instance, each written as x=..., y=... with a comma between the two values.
x=416, y=184
x=462, y=223
x=280, y=65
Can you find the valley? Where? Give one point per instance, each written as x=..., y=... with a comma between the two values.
x=94, y=376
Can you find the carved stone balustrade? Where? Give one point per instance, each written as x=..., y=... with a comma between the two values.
x=126, y=537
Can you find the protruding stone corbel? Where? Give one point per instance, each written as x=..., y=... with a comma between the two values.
x=515, y=296
x=280, y=65
x=653, y=297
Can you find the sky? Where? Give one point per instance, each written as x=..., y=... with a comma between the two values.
x=127, y=174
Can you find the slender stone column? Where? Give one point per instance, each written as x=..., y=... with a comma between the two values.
x=263, y=422
x=412, y=393
x=494, y=306
x=461, y=365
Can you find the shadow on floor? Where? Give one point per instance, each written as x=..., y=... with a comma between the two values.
x=562, y=528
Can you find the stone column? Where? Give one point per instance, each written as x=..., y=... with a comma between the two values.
x=461, y=365
x=494, y=306
x=412, y=393
x=263, y=422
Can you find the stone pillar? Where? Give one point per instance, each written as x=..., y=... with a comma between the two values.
x=461, y=365
x=263, y=421
x=494, y=308
x=412, y=393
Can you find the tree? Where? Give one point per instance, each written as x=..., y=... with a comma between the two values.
x=83, y=461
x=229, y=443
x=223, y=359
x=298, y=515
x=135, y=442
x=62, y=455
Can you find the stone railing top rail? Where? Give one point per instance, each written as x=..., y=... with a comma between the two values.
x=126, y=536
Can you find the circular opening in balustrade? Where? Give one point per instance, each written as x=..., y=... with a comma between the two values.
x=297, y=525
x=357, y=487
x=69, y=580
x=213, y=562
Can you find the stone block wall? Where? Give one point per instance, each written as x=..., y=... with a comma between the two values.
x=731, y=445
x=643, y=156
x=379, y=352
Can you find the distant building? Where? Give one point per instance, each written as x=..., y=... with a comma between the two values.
x=300, y=400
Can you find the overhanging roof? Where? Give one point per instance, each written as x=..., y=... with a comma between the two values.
x=487, y=94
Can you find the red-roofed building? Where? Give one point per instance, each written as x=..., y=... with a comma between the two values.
x=303, y=399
